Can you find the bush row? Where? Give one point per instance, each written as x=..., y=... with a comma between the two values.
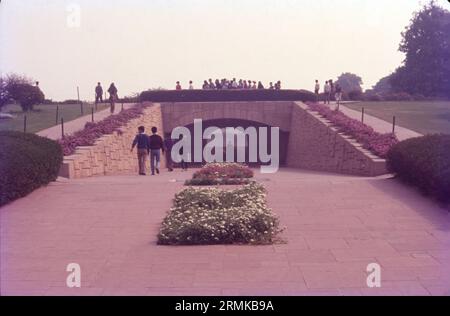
x=424, y=162
x=225, y=95
x=27, y=162
x=215, y=216
x=377, y=143
x=375, y=96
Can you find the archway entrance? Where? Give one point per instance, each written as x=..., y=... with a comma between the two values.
x=237, y=148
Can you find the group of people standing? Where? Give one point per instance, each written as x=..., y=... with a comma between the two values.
x=153, y=146
x=330, y=90
x=113, y=96
x=225, y=84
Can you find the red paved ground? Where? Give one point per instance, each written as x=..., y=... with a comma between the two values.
x=336, y=226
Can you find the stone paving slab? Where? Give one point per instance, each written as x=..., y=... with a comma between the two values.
x=335, y=226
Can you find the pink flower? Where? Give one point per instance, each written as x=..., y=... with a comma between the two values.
x=377, y=143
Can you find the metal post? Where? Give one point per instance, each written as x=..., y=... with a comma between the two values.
x=62, y=127
x=92, y=113
x=78, y=93
x=25, y=124
x=393, y=125
x=362, y=115
x=81, y=107
x=57, y=115
x=122, y=106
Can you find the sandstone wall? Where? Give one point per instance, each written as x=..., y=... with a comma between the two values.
x=273, y=113
x=111, y=153
x=315, y=145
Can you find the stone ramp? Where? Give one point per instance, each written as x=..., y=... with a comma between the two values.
x=315, y=144
x=378, y=124
x=79, y=123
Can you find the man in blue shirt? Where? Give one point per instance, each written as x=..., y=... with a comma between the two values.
x=142, y=142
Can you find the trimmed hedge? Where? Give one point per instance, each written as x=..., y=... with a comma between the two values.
x=424, y=162
x=225, y=95
x=27, y=162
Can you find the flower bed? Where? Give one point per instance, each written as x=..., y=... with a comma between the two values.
x=93, y=131
x=223, y=173
x=215, y=216
x=377, y=143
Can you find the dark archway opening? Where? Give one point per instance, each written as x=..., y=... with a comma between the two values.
x=229, y=122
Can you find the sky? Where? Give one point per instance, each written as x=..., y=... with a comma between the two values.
x=142, y=44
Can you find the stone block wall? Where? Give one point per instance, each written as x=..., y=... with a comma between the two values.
x=111, y=153
x=273, y=113
x=315, y=145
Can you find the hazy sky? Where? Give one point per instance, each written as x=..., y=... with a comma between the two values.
x=142, y=44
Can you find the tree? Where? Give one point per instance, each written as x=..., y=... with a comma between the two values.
x=4, y=96
x=350, y=82
x=383, y=86
x=21, y=90
x=426, y=44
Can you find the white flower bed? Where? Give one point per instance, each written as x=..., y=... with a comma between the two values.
x=215, y=216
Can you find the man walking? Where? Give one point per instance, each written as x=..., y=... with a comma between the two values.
x=316, y=90
x=156, y=145
x=112, y=90
x=98, y=93
x=142, y=142
x=327, y=92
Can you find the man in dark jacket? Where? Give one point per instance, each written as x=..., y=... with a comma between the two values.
x=98, y=93
x=142, y=142
x=156, y=145
x=113, y=97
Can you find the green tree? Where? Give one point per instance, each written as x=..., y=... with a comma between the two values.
x=350, y=82
x=383, y=86
x=4, y=96
x=426, y=44
x=21, y=90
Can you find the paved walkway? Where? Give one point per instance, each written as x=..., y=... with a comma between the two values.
x=335, y=226
x=79, y=123
x=377, y=124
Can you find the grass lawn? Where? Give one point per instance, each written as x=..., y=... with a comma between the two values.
x=43, y=116
x=424, y=117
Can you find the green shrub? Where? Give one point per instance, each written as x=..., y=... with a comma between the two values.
x=424, y=162
x=215, y=216
x=27, y=162
x=355, y=95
